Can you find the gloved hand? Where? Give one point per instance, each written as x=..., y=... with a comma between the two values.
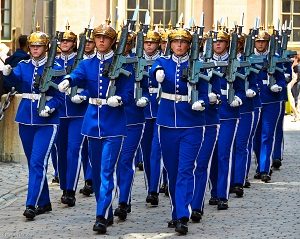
x=199, y=105
x=236, y=102
x=142, y=102
x=114, y=101
x=250, y=93
x=213, y=98
x=276, y=88
x=46, y=112
x=64, y=86
x=6, y=70
x=160, y=75
x=77, y=99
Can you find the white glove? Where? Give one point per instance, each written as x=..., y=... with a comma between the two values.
x=64, y=86
x=198, y=105
x=6, y=70
x=213, y=98
x=160, y=75
x=142, y=102
x=114, y=101
x=77, y=99
x=250, y=93
x=236, y=102
x=276, y=88
x=46, y=112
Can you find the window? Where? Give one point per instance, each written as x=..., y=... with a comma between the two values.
x=6, y=19
x=160, y=10
x=290, y=11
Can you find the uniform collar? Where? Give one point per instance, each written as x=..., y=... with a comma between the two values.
x=67, y=57
x=153, y=57
x=89, y=56
x=261, y=53
x=105, y=56
x=180, y=59
x=223, y=57
x=39, y=62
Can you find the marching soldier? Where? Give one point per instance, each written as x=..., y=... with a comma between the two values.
x=271, y=98
x=37, y=130
x=104, y=122
x=70, y=141
x=180, y=127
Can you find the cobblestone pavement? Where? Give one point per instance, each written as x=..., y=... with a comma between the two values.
x=269, y=210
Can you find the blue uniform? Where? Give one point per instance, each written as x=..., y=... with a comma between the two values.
x=270, y=114
x=150, y=144
x=229, y=119
x=135, y=121
x=37, y=133
x=70, y=141
x=104, y=126
x=181, y=132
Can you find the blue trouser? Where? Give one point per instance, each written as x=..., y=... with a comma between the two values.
x=278, y=147
x=256, y=120
x=270, y=115
x=37, y=142
x=213, y=174
x=126, y=163
x=225, y=146
x=54, y=160
x=69, y=144
x=180, y=148
x=203, y=165
x=138, y=156
x=104, y=155
x=151, y=156
x=85, y=160
x=240, y=157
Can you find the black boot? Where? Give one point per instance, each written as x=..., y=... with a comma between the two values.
x=140, y=165
x=100, y=225
x=152, y=198
x=172, y=223
x=63, y=198
x=247, y=183
x=87, y=189
x=276, y=163
x=162, y=189
x=238, y=190
x=121, y=211
x=41, y=210
x=257, y=175
x=265, y=177
x=70, y=198
x=29, y=212
x=213, y=201
x=181, y=226
x=196, y=215
x=223, y=204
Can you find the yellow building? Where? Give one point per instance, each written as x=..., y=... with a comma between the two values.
x=17, y=15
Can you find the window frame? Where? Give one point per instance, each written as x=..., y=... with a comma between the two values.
x=291, y=15
x=6, y=24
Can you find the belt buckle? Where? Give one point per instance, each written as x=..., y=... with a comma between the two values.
x=99, y=101
x=178, y=97
x=32, y=98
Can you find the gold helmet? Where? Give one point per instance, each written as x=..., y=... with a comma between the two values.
x=38, y=38
x=241, y=39
x=164, y=33
x=152, y=36
x=69, y=35
x=262, y=35
x=130, y=37
x=180, y=34
x=105, y=30
x=88, y=38
x=223, y=35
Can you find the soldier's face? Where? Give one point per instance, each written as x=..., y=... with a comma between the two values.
x=89, y=47
x=261, y=46
x=163, y=45
x=150, y=47
x=180, y=47
x=103, y=43
x=128, y=48
x=67, y=46
x=37, y=51
x=220, y=47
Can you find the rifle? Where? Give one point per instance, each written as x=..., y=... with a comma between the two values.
x=80, y=52
x=285, y=38
x=45, y=81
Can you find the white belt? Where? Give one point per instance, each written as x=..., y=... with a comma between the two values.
x=153, y=90
x=34, y=97
x=265, y=82
x=174, y=97
x=79, y=90
x=97, y=101
x=224, y=92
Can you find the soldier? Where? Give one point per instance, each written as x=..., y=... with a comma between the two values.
x=271, y=98
x=150, y=144
x=180, y=127
x=37, y=131
x=70, y=142
x=229, y=119
x=104, y=122
x=135, y=127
